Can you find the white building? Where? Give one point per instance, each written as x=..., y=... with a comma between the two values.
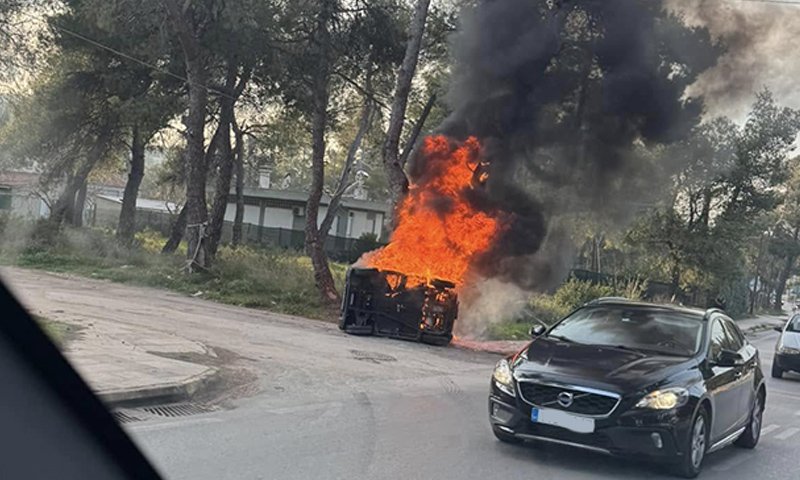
x=285, y=209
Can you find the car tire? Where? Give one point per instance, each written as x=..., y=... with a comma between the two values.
x=505, y=437
x=694, y=446
x=751, y=434
x=777, y=372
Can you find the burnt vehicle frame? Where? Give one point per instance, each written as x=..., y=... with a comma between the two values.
x=381, y=303
x=726, y=388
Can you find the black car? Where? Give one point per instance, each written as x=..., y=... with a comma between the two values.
x=656, y=382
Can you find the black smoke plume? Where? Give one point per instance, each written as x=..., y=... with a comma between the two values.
x=567, y=98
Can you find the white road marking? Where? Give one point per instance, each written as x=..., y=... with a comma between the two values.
x=768, y=429
x=789, y=432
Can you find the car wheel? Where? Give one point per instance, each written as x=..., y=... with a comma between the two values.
x=505, y=437
x=776, y=371
x=695, y=446
x=750, y=436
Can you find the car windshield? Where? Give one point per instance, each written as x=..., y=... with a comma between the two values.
x=794, y=324
x=642, y=328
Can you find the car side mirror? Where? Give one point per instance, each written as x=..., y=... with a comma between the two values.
x=728, y=358
x=537, y=330
x=778, y=329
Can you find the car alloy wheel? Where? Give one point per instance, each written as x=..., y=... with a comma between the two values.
x=698, y=443
x=751, y=435
x=755, y=422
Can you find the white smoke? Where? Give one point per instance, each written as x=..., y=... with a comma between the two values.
x=485, y=302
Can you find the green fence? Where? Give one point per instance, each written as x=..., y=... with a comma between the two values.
x=338, y=248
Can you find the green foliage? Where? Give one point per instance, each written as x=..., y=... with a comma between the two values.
x=365, y=243
x=575, y=293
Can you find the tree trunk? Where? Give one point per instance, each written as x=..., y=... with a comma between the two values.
x=64, y=206
x=80, y=204
x=785, y=273
x=757, y=277
x=195, y=122
x=197, y=213
x=127, y=214
x=398, y=182
x=412, y=139
x=236, y=239
x=176, y=235
x=226, y=155
x=69, y=202
x=314, y=242
x=706, y=209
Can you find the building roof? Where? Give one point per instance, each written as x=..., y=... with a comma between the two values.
x=146, y=203
x=18, y=179
x=302, y=197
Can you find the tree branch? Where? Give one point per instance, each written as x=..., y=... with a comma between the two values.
x=343, y=185
x=412, y=140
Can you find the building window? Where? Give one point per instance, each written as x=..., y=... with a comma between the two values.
x=5, y=199
x=350, y=224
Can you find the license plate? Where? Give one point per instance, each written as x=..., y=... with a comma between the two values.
x=561, y=419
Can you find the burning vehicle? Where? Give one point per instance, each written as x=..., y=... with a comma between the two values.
x=409, y=288
x=386, y=304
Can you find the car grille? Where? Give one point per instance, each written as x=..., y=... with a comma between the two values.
x=583, y=403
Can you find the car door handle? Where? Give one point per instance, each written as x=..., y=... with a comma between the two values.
x=737, y=374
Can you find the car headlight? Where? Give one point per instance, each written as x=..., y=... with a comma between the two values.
x=664, y=399
x=788, y=350
x=503, y=378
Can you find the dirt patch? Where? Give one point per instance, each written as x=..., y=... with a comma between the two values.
x=233, y=381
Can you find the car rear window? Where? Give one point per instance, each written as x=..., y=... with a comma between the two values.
x=660, y=330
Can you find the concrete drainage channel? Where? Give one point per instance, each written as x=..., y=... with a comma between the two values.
x=172, y=410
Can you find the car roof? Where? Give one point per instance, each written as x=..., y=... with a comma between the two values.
x=625, y=302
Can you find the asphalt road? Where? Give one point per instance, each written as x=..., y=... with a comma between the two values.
x=327, y=405
x=428, y=432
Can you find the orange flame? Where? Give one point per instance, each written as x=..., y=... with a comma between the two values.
x=439, y=233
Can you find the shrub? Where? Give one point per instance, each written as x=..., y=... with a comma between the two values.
x=574, y=293
x=365, y=243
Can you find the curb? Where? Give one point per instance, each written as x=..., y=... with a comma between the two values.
x=761, y=327
x=498, y=347
x=157, y=393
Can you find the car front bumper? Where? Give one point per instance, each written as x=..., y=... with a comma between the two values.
x=649, y=435
x=788, y=362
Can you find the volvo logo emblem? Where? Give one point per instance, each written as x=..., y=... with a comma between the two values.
x=565, y=399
